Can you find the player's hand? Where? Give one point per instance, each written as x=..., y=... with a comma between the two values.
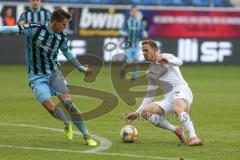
x=88, y=72
x=131, y=117
x=163, y=60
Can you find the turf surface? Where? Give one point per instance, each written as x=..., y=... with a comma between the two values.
x=215, y=113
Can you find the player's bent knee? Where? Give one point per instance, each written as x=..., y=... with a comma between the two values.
x=68, y=104
x=178, y=110
x=149, y=110
x=51, y=109
x=49, y=105
x=62, y=97
x=179, y=106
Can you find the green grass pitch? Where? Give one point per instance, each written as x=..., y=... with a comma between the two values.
x=215, y=113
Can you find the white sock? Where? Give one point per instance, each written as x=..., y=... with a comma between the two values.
x=161, y=122
x=187, y=123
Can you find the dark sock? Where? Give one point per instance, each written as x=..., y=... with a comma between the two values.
x=58, y=114
x=76, y=117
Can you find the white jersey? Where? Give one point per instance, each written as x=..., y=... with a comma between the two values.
x=169, y=72
x=168, y=77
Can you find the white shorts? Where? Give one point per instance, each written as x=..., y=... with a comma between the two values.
x=183, y=92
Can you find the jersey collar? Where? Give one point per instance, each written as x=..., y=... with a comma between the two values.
x=36, y=10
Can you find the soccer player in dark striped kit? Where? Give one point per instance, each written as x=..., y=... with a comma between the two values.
x=35, y=14
x=44, y=76
x=134, y=31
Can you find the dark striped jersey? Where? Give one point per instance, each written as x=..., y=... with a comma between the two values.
x=40, y=16
x=42, y=48
x=135, y=29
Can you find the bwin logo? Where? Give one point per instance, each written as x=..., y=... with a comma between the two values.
x=101, y=20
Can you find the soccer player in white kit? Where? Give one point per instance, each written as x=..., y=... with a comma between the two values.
x=164, y=72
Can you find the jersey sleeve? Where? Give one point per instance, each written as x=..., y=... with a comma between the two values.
x=22, y=17
x=151, y=90
x=28, y=29
x=68, y=54
x=172, y=59
x=65, y=49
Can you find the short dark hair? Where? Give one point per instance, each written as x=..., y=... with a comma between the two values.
x=151, y=43
x=59, y=14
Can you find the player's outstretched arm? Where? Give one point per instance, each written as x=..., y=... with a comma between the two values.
x=131, y=117
x=151, y=89
x=9, y=29
x=170, y=58
x=68, y=54
x=81, y=68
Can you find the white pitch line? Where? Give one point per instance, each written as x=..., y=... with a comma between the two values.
x=84, y=152
x=105, y=144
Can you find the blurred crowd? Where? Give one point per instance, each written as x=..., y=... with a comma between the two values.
x=7, y=18
x=198, y=3
x=8, y=15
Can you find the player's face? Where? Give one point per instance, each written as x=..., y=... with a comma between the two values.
x=149, y=53
x=35, y=4
x=59, y=26
x=134, y=12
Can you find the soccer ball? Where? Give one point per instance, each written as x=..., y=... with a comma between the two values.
x=128, y=134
